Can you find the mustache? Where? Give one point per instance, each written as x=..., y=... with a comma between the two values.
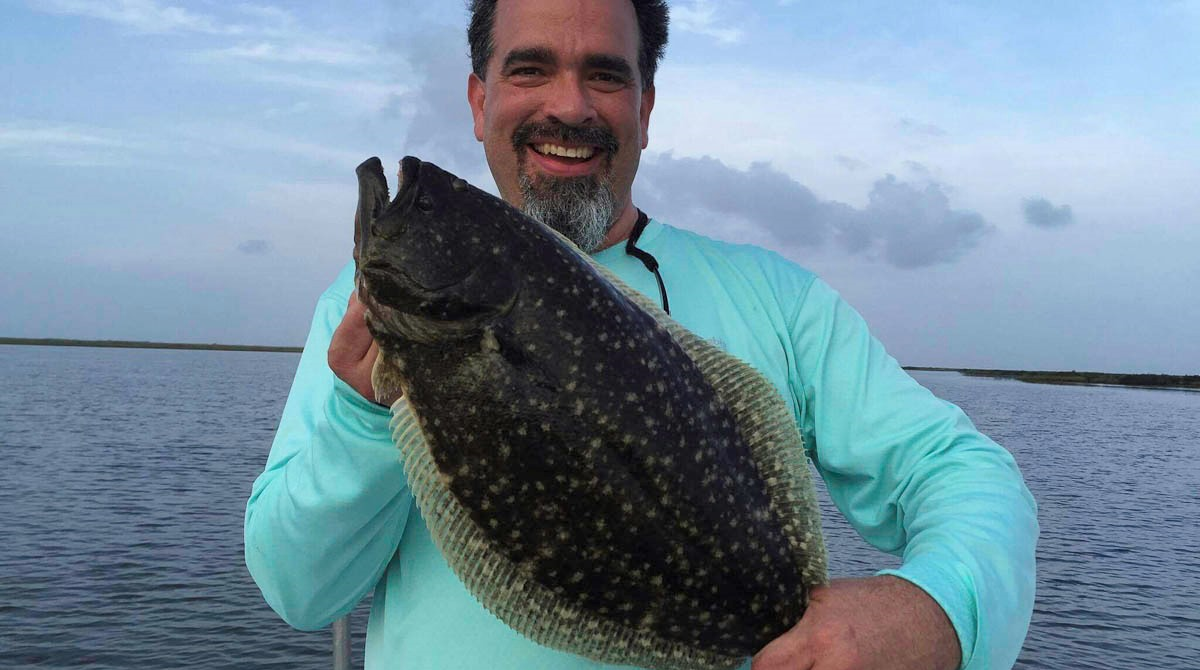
x=557, y=130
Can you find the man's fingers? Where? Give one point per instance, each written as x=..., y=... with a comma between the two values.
x=370, y=357
x=351, y=341
x=352, y=351
x=786, y=652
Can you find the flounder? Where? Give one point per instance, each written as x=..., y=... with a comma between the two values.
x=599, y=478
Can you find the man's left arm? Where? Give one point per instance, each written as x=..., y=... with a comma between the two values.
x=914, y=477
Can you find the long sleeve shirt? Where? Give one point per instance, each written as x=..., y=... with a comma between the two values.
x=332, y=517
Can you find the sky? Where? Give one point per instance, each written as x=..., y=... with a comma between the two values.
x=992, y=185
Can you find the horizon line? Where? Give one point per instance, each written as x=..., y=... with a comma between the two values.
x=213, y=346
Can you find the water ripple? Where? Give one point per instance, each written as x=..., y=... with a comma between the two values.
x=123, y=516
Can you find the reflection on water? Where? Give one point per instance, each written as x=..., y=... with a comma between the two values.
x=126, y=474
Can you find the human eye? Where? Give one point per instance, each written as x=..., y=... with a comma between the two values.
x=609, y=81
x=526, y=74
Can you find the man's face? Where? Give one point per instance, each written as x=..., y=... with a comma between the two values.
x=562, y=114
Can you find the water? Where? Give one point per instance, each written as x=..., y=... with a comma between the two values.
x=126, y=473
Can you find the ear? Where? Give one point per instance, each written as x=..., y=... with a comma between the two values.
x=476, y=92
x=644, y=114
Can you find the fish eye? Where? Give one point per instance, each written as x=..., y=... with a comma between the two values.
x=425, y=203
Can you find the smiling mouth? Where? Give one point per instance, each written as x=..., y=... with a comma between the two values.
x=571, y=154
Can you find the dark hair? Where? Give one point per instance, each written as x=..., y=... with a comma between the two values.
x=652, y=28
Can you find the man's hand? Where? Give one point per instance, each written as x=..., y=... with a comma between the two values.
x=862, y=624
x=352, y=351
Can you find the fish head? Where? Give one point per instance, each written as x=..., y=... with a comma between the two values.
x=432, y=264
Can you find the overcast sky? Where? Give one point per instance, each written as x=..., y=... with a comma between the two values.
x=1010, y=185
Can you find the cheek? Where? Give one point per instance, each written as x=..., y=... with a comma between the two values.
x=508, y=111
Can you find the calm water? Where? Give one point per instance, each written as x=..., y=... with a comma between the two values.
x=126, y=473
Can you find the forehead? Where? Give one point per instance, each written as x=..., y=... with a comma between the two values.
x=567, y=28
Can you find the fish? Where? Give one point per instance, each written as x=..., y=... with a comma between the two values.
x=601, y=479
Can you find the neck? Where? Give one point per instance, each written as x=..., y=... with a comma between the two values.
x=621, y=228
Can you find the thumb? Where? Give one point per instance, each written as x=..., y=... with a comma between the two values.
x=786, y=652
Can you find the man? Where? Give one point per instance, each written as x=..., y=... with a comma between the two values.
x=562, y=93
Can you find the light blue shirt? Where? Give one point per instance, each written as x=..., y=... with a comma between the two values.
x=332, y=517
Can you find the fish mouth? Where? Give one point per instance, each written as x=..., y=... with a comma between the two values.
x=392, y=287
x=374, y=201
x=410, y=172
x=397, y=307
x=419, y=312
x=419, y=315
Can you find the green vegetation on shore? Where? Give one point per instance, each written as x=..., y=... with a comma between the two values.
x=130, y=344
x=1032, y=376
x=1075, y=377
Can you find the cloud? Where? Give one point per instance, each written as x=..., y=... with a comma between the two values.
x=911, y=127
x=913, y=226
x=53, y=143
x=268, y=14
x=1042, y=213
x=228, y=138
x=293, y=109
x=145, y=16
x=309, y=53
x=266, y=43
x=903, y=224
x=851, y=164
x=439, y=119
x=918, y=169
x=760, y=195
x=40, y=135
x=700, y=17
x=255, y=247
x=365, y=96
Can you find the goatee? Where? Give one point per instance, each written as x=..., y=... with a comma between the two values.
x=582, y=208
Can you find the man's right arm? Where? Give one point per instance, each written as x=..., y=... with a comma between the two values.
x=326, y=515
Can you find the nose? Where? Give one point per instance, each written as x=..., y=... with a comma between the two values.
x=570, y=101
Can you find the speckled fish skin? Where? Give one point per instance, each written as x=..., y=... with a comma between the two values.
x=578, y=436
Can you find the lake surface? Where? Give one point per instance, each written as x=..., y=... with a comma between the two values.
x=126, y=473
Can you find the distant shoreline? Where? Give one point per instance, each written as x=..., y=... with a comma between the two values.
x=1073, y=377
x=133, y=344
x=1032, y=376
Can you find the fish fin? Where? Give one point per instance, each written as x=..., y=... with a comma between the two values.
x=386, y=380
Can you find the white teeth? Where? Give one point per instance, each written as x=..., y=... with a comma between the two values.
x=565, y=152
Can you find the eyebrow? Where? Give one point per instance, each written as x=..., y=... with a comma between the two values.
x=544, y=56
x=539, y=55
x=615, y=64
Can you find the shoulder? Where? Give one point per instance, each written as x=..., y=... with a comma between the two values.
x=339, y=291
x=754, y=266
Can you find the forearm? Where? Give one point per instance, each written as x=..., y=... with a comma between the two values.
x=971, y=534
x=865, y=624
x=913, y=476
x=321, y=528
x=326, y=515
